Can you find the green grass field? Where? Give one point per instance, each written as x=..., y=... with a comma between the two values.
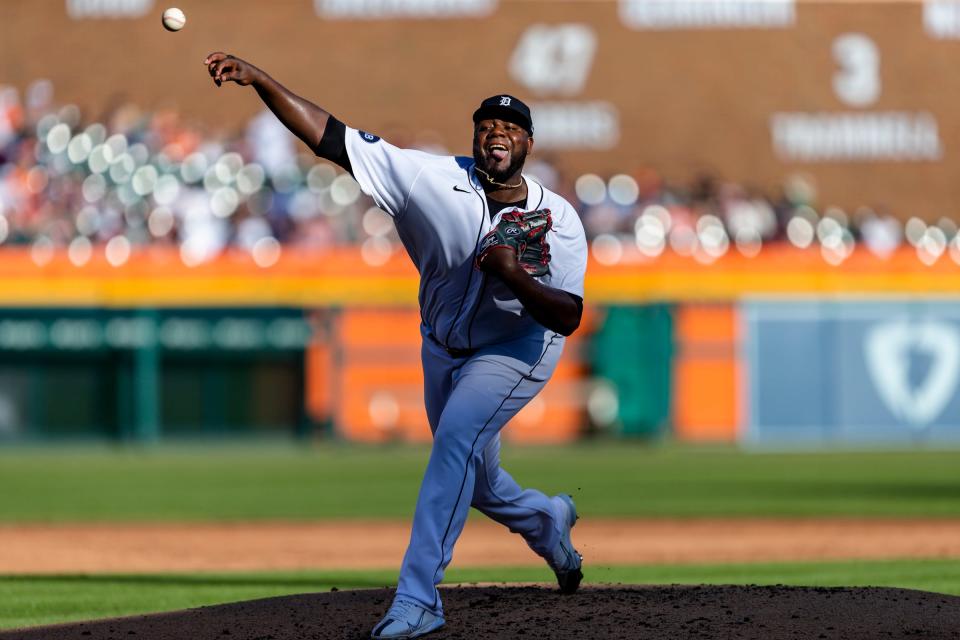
x=342, y=481
x=271, y=481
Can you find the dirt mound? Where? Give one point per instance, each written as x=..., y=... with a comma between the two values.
x=650, y=613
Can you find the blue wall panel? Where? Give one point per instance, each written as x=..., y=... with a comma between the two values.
x=850, y=373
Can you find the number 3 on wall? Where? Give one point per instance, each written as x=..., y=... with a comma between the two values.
x=857, y=83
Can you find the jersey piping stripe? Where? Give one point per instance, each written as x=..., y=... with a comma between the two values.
x=467, y=462
x=473, y=316
x=541, y=198
x=466, y=291
x=476, y=307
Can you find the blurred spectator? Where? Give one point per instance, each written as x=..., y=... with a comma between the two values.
x=151, y=178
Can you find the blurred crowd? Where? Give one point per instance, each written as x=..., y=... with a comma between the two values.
x=131, y=178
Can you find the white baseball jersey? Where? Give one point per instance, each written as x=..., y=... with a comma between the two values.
x=441, y=213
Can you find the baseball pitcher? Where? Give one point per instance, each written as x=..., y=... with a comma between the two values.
x=501, y=262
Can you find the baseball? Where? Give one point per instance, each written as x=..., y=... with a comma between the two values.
x=174, y=19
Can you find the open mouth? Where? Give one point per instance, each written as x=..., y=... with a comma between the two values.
x=498, y=152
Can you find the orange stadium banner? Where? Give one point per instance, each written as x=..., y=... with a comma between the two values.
x=157, y=276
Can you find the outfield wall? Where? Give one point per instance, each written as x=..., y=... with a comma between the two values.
x=325, y=343
x=879, y=372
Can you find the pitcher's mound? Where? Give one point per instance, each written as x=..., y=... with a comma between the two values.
x=648, y=613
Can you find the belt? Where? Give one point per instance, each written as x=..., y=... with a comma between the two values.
x=452, y=351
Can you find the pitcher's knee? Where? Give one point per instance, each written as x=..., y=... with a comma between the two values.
x=450, y=443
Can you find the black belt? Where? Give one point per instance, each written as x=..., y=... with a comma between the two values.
x=452, y=351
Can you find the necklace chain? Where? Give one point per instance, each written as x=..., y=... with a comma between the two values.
x=498, y=184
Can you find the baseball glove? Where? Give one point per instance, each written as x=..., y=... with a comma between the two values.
x=526, y=233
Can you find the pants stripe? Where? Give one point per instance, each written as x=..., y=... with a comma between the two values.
x=473, y=446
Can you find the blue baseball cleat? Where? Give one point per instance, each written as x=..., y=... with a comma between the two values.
x=565, y=561
x=406, y=619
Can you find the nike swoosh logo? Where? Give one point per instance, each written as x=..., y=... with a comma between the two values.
x=460, y=189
